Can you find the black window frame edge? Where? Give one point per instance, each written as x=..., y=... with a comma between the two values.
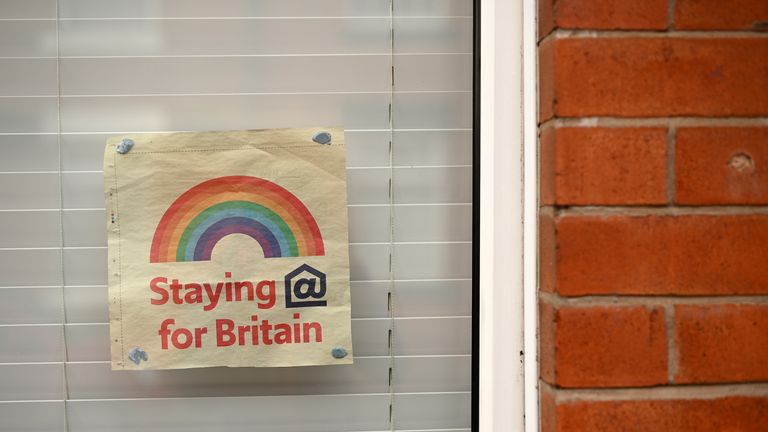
x=475, y=386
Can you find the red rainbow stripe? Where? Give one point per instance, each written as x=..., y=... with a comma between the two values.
x=282, y=208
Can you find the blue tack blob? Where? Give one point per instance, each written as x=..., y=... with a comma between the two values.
x=125, y=146
x=322, y=138
x=137, y=355
x=339, y=352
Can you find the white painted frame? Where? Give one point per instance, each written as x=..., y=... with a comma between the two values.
x=508, y=379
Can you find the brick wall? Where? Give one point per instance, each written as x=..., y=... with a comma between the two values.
x=654, y=224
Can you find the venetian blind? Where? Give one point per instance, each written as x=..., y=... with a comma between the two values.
x=74, y=72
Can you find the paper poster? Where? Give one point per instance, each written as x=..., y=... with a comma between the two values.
x=228, y=249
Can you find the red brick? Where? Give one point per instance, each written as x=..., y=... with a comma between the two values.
x=649, y=255
x=548, y=409
x=721, y=15
x=739, y=413
x=547, y=166
x=604, y=166
x=547, y=342
x=610, y=14
x=547, y=256
x=722, y=165
x=546, y=18
x=721, y=343
x=652, y=77
x=547, y=98
x=607, y=346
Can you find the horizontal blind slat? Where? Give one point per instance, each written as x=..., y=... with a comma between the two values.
x=268, y=413
x=27, y=9
x=232, y=112
x=412, y=298
x=30, y=382
x=432, y=261
x=366, y=375
x=223, y=37
x=35, y=343
x=28, y=153
x=441, y=110
x=433, y=411
x=31, y=267
x=433, y=8
x=122, y=37
x=29, y=229
x=29, y=191
x=252, y=414
x=86, y=266
x=368, y=261
x=411, y=185
x=27, y=39
x=416, y=223
x=28, y=115
x=85, y=228
x=89, y=304
x=31, y=306
x=38, y=416
x=222, y=8
x=354, y=111
x=364, y=149
x=264, y=8
x=90, y=342
x=27, y=77
x=421, y=261
x=419, y=185
x=298, y=74
x=224, y=75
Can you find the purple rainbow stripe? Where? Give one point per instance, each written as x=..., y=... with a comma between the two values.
x=236, y=225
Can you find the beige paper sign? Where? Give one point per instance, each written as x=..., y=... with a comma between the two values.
x=228, y=249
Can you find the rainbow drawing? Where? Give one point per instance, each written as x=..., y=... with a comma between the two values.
x=214, y=209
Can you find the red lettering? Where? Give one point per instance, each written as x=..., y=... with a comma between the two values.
x=164, y=332
x=199, y=332
x=241, y=331
x=209, y=294
x=176, y=338
x=213, y=295
x=248, y=285
x=176, y=288
x=224, y=334
x=283, y=333
x=153, y=285
x=318, y=331
x=266, y=327
x=267, y=297
x=194, y=293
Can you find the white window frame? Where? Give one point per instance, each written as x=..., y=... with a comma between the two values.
x=508, y=243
